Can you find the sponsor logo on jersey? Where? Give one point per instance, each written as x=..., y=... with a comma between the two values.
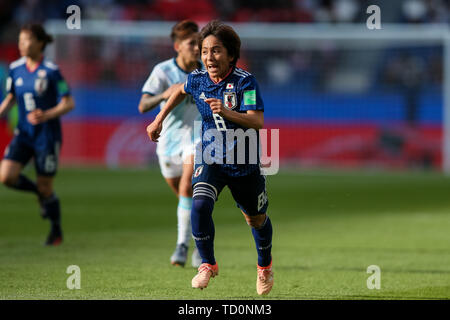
x=230, y=100
x=40, y=85
x=202, y=96
x=19, y=82
x=198, y=171
x=230, y=86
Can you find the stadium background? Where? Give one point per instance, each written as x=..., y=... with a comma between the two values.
x=335, y=107
x=374, y=108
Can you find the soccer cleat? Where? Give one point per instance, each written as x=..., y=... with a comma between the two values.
x=54, y=238
x=179, y=257
x=205, y=272
x=196, y=260
x=264, y=280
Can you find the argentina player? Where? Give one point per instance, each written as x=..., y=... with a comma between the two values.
x=42, y=96
x=228, y=98
x=175, y=148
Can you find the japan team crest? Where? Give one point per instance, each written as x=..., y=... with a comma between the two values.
x=230, y=100
x=40, y=85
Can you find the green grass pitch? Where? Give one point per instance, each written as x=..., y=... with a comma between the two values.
x=120, y=229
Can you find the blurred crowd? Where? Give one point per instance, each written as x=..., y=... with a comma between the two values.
x=102, y=63
x=334, y=11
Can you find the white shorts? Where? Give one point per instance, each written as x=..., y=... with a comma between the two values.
x=172, y=166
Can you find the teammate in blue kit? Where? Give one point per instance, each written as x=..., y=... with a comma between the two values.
x=42, y=96
x=229, y=102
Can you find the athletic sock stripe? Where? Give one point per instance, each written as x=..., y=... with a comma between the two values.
x=202, y=184
x=206, y=191
x=206, y=195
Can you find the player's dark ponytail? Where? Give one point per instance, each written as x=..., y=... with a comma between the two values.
x=38, y=32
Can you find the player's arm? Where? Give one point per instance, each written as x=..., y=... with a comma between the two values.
x=149, y=102
x=251, y=119
x=154, y=128
x=7, y=104
x=64, y=106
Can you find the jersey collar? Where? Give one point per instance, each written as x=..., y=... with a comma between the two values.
x=36, y=67
x=229, y=72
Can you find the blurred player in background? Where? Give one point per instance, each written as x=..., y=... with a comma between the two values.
x=42, y=96
x=228, y=99
x=176, y=147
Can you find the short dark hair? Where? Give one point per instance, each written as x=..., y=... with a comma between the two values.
x=226, y=35
x=38, y=32
x=183, y=30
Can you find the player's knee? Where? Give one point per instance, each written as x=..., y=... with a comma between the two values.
x=255, y=221
x=185, y=189
x=202, y=205
x=8, y=179
x=45, y=189
x=203, y=199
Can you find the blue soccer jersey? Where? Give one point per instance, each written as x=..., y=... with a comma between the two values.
x=38, y=89
x=239, y=92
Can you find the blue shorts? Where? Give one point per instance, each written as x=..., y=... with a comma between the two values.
x=248, y=191
x=45, y=156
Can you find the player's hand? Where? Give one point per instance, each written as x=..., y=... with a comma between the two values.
x=170, y=90
x=36, y=116
x=216, y=106
x=154, y=130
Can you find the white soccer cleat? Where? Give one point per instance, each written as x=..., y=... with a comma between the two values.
x=206, y=271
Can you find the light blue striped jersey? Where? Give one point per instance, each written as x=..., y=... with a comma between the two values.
x=171, y=142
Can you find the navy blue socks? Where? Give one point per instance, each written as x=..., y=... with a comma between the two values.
x=203, y=227
x=263, y=241
x=53, y=211
x=25, y=184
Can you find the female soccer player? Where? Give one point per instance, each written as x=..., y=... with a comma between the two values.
x=175, y=148
x=229, y=101
x=42, y=96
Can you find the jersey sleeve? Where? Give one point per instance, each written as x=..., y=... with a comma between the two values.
x=10, y=84
x=188, y=83
x=156, y=83
x=250, y=95
x=61, y=86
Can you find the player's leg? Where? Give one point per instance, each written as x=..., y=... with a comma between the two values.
x=173, y=183
x=207, y=184
x=51, y=204
x=184, y=208
x=251, y=197
x=172, y=170
x=16, y=157
x=185, y=204
x=46, y=164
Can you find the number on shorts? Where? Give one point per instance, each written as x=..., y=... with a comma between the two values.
x=30, y=104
